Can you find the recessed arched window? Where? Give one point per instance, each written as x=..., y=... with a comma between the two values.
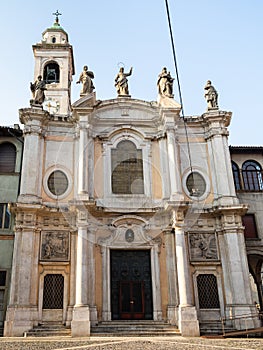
x=127, y=169
x=252, y=176
x=51, y=73
x=236, y=176
x=7, y=157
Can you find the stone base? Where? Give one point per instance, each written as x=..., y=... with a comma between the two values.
x=80, y=325
x=19, y=320
x=187, y=321
x=93, y=315
x=172, y=316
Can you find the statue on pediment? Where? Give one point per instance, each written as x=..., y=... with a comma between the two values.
x=121, y=82
x=85, y=78
x=211, y=95
x=165, y=83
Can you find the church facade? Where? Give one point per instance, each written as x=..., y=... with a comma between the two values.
x=122, y=215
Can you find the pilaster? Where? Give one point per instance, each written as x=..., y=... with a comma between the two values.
x=239, y=306
x=22, y=312
x=216, y=133
x=187, y=315
x=34, y=120
x=173, y=302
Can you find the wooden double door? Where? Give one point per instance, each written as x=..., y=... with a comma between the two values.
x=131, y=285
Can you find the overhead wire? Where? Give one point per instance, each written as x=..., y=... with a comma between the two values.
x=178, y=83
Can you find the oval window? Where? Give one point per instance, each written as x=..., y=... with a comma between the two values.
x=195, y=184
x=57, y=183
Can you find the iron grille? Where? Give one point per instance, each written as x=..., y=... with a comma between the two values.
x=53, y=291
x=207, y=291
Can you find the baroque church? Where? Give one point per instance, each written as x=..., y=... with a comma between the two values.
x=127, y=212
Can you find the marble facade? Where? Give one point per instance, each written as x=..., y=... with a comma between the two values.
x=69, y=220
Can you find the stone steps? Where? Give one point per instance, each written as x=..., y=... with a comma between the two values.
x=49, y=330
x=134, y=328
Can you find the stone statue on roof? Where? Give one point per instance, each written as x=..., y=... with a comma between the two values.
x=86, y=79
x=165, y=83
x=121, y=82
x=211, y=96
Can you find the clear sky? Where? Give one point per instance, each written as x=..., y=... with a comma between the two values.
x=216, y=40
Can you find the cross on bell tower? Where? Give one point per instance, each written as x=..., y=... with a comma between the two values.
x=57, y=14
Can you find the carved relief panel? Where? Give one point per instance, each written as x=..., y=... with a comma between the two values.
x=203, y=246
x=54, y=246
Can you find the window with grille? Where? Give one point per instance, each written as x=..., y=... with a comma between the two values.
x=5, y=216
x=252, y=176
x=236, y=176
x=250, y=227
x=207, y=291
x=7, y=157
x=127, y=169
x=53, y=291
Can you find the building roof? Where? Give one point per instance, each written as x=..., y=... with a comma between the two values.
x=246, y=149
x=8, y=131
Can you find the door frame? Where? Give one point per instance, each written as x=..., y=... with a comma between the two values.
x=46, y=271
x=154, y=247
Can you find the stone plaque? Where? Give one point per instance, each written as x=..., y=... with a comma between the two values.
x=54, y=246
x=203, y=246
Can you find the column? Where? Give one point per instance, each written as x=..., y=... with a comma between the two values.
x=80, y=325
x=187, y=316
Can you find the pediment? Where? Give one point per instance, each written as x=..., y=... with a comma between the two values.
x=87, y=100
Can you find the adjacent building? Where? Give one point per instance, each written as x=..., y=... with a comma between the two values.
x=11, y=147
x=247, y=165
x=122, y=215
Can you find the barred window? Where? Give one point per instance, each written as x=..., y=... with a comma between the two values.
x=127, y=169
x=5, y=216
x=207, y=291
x=53, y=291
x=7, y=157
x=252, y=176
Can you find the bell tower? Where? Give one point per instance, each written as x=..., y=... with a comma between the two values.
x=54, y=61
